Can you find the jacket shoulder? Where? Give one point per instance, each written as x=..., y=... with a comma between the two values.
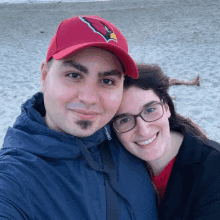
x=212, y=144
x=14, y=203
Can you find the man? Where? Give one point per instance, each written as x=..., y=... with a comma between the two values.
x=56, y=162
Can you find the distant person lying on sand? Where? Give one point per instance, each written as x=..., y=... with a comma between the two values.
x=174, y=81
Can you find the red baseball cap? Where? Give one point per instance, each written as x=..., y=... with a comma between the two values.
x=80, y=32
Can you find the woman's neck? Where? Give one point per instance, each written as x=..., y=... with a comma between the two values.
x=172, y=149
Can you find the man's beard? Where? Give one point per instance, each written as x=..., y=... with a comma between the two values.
x=84, y=124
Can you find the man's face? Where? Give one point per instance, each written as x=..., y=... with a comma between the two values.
x=82, y=92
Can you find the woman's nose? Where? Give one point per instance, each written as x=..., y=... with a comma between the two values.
x=142, y=127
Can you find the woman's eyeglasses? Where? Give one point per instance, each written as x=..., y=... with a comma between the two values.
x=127, y=122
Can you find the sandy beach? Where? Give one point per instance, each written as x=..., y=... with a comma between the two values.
x=183, y=37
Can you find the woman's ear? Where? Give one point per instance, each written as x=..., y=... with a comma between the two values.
x=167, y=110
x=44, y=72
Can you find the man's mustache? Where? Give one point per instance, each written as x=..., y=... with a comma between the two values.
x=84, y=107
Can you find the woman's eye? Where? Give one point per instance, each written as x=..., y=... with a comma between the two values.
x=108, y=81
x=149, y=110
x=124, y=121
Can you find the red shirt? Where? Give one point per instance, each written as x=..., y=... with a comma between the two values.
x=161, y=180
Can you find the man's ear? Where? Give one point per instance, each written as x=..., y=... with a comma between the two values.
x=167, y=110
x=44, y=72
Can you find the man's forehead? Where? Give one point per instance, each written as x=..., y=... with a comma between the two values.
x=94, y=51
x=70, y=62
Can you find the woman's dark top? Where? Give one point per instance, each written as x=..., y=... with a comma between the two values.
x=193, y=190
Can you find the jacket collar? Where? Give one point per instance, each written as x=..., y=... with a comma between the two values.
x=30, y=133
x=190, y=151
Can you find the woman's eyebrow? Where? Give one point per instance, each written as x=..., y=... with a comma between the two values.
x=143, y=107
x=148, y=104
x=121, y=115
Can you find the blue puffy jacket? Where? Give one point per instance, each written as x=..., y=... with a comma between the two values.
x=44, y=174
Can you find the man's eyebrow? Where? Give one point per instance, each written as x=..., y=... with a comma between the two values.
x=143, y=107
x=78, y=66
x=111, y=73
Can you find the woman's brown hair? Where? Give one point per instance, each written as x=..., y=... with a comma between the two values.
x=152, y=77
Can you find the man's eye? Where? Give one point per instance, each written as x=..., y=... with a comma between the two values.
x=74, y=75
x=108, y=81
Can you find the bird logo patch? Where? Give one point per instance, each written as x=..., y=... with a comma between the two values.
x=100, y=28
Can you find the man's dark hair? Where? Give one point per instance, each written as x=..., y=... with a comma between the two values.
x=49, y=63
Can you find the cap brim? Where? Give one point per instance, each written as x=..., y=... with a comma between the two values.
x=126, y=60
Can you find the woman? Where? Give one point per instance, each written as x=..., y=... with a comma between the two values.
x=183, y=163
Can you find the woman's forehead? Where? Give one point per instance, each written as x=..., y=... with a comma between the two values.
x=134, y=99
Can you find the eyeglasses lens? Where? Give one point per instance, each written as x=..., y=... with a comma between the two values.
x=149, y=114
x=124, y=123
x=152, y=113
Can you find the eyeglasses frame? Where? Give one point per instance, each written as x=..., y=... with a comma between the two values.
x=139, y=115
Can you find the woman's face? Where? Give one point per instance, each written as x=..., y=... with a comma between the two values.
x=147, y=140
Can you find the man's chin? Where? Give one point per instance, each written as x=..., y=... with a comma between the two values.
x=84, y=124
x=83, y=133
x=83, y=128
x=78, y=132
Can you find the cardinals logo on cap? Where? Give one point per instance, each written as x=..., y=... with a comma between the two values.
x=100, y=28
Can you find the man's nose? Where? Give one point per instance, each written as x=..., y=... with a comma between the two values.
x=142, y=127
x=89, y=94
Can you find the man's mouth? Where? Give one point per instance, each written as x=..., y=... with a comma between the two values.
x=84, y=112
x=86, y=115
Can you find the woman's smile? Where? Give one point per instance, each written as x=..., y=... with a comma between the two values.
x=147, y=142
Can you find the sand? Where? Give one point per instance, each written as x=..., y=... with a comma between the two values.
x=181, y=36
